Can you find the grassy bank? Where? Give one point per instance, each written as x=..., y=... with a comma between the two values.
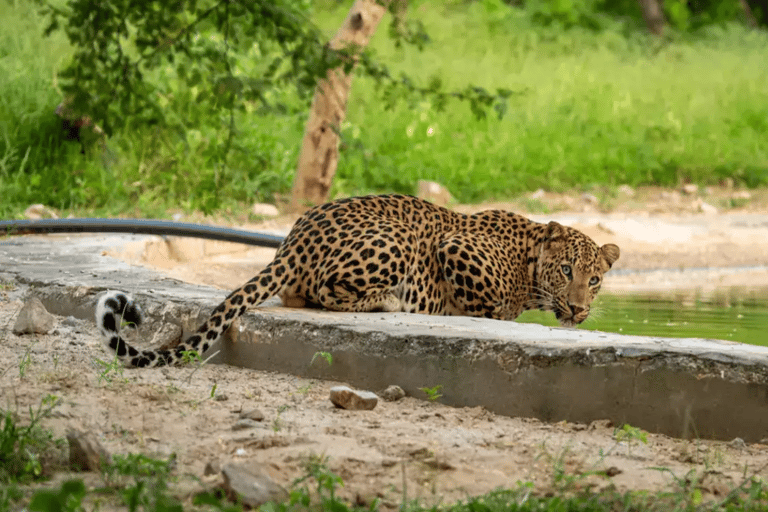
x=590, y=108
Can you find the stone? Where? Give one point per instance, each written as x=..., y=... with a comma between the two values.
x=251, y=486
x=85, y=451
x=212, y=467
x=347, y=398
x=40, y=211
x=34, y=318
x=737, y=443
x=626, y=191
x=252, y=414
x=392, y=393
x=690, y=189
x=539, y=194
x=589, y=198
x=433, y=192
x=244, y=424
x=264, y=210
x=705, y=208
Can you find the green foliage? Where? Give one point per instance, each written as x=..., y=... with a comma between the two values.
x=432, y=393
x=69, y=498
x=25, y=449
x=220, y=123
x=325, y=355
x=142, y=482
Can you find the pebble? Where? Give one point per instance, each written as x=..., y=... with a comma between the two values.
x=85, y=451
x=392, y=393
x=244, y=424
x=433, y=192
x=251, y=486
x=34, y=318
x=347, y=398
x=253, y=414
x=264, y=210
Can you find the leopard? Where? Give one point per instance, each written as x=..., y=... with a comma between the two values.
x=399, y=253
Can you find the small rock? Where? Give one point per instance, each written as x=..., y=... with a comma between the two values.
x=212, y=467
x=253, y=414
x=71, y=321
x=705, y=208
x=264, y=210
x=34, y=318
x=600, y=424
x=626, y=190
x=737, y=443
x=742, y=194
x=251, y=486
x=589, y=198
x=690, y=189
x=40, y=211
x=392, y=393
x=85, y=451
x=539, y=194
x=244, y=424
x=433, y=192
x=347, y=398
x=221, y=397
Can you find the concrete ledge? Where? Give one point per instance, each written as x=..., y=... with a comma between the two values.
x=680, y=387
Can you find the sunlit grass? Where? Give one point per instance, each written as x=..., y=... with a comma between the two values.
x=605, y=107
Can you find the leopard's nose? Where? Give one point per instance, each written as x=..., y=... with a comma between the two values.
x=575, y=310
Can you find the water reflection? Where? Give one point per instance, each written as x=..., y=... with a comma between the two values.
x=732, y=313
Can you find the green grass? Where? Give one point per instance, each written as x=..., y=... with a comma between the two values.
x=593, y=108
x=612, y=106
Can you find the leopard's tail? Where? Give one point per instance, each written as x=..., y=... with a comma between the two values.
x=116, y=309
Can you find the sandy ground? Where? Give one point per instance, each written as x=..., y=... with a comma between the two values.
x=412, y=448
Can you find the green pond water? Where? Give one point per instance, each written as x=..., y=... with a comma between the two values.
x=735, y=314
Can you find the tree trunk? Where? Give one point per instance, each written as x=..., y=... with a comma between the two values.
x=653, y=16
x=751, y=20
x=319, y=154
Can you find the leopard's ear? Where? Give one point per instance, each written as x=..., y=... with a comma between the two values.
x=554, y=232
x=611, y=253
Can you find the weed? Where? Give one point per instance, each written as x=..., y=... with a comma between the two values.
x=630, y=434
x=432, y=393
x=111, y=371
x=190, y=356
x=142, y=481
x=25, y=361
x=277, y=423
x=325, y=355
x=25, y=449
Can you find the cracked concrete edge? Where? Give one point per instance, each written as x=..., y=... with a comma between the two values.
x=681, y=387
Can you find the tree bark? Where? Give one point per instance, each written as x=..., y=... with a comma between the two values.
x=653, y=16
x=319, y=154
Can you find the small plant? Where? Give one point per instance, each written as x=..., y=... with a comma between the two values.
x=432, y=393
x=325, y=355
x=25, y=362
x=111, y=370
x=630, y=434
x=190, y=356
x=69, y=498
x=142, y=481
x=23, y=450
x=277, y=423
x=213, y=390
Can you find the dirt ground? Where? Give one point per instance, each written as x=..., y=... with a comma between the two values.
x=408, y=449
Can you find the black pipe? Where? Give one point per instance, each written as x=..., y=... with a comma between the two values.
x=138, y=226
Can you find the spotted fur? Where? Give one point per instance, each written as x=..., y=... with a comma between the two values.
x=400, y=253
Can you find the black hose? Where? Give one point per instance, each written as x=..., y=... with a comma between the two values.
x=138, y=226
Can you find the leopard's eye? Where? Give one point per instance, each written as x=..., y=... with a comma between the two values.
x=594, y=281
x=566, y=270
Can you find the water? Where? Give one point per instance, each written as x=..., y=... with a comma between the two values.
x=735, y=314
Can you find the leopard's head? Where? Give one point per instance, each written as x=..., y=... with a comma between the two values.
x=569, y=273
